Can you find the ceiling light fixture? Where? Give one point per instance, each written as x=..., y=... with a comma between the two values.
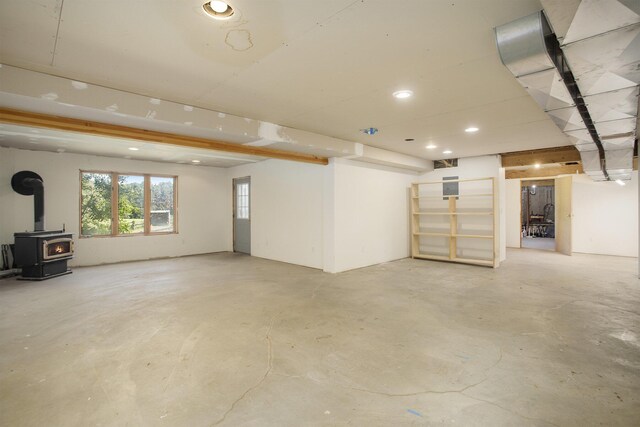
x=431, y=146
x=620, y=182
x=195, y=161
x=402, y=94
x=218, y=9
x=447, y=152
x=133, y=148
x=537, y=166
x=471, y=129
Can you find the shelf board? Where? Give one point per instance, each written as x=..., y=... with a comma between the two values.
x=487, y=263
x=448, y=197
x=471, y=236
x=489, y=178
x=454, y=213
x=434, y=257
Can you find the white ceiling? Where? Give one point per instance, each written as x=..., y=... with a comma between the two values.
x=327, y=67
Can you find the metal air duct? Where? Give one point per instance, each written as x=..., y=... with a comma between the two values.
x=588, y=82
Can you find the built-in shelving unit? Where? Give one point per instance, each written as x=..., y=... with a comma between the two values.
x=460, y=227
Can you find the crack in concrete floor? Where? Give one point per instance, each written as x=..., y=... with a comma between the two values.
x=262, y=379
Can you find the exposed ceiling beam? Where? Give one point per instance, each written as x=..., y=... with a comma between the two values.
x=544, y=156
x=544, y=172
x=103, y=129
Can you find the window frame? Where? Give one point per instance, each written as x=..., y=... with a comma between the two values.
x=114, y=204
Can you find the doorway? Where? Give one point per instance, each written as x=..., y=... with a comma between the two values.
x=242, y=215
x=538, y=214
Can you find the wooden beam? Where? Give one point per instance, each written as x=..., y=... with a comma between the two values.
x=544, y=172
x=544, y=156
x=25, y=118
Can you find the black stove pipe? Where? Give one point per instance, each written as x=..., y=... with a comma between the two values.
x=38, y=202
x=29, y=183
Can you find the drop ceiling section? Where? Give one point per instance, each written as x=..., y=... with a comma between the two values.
x=39, y=139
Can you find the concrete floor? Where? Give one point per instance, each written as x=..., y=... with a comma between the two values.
x=231, y=340
x=543, y=243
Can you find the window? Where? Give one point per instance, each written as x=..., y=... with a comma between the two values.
x=130, y=204
x=162, y=204
x=144, y=204
x=242, y=201
x=96, y=206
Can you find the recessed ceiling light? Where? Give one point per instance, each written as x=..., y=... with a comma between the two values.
x=133, y=148
x=195, y=161
x=218, y=9
x=447, y=152
x=537, y=165
x=402, y=94
x=620, y=182
x=431, y=146
x=471, y=129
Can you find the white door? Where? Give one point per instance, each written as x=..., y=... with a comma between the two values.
x=242, y=215
x=564, y=215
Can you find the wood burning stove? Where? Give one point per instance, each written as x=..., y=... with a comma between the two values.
x=41, y=254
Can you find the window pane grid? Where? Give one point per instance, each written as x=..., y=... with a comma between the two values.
x=242, y=201
x=115, y=204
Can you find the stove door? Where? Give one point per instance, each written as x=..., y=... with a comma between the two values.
x=57, y=248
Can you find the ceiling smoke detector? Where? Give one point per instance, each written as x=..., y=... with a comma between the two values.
x=218, y=9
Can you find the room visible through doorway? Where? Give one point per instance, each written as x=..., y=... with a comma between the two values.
x=538, y=229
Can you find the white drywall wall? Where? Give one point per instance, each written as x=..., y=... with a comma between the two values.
x=605, y=216
x=370, y=214
x=512, y=211
x=204, y=201
x=286, y=210
x=480, y=167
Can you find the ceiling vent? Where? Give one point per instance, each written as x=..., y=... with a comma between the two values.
x=585, y=75
x=442, y=164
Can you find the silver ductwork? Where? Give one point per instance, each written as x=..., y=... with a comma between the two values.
x=582, y=66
